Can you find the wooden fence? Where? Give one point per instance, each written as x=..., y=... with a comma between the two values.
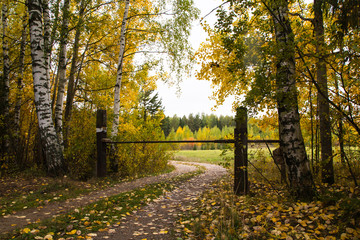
x=241, y=141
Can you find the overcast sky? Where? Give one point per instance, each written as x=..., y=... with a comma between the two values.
x=194, y=97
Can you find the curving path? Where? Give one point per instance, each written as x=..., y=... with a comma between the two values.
x=157, y=220
x=22, y=218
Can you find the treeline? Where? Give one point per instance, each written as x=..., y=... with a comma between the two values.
x=196, y=122
x=212, y=127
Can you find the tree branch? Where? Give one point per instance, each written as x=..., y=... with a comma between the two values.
x=338, y=108
x=214, y=10
x=143, y=52
x=302, y=17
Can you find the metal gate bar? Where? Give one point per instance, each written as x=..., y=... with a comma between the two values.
x=241, y=141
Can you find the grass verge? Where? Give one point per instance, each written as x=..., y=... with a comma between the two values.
x=41, y=191
x=83, y=223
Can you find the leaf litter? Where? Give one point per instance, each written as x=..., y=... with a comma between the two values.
x=265, y=214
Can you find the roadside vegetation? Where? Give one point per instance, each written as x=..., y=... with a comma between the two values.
x=270, y=211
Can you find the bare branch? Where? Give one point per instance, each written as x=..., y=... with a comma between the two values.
x=144, y=52
x=214, y=10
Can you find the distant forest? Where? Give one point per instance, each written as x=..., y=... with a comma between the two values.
x=196, y=122
x=211, y=127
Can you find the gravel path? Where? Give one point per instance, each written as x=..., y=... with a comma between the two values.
x=157, y=220
x=22, y=218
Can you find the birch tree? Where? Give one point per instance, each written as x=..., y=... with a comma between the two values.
x=119, y=73
x=162, y=36
x=254, y=54
x=62, y=71
x=39, y=55
x=291, y=140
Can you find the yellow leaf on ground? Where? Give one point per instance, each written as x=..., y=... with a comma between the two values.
x=71, y=232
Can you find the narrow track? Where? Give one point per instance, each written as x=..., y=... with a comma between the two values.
x=157, y=220
x=25, y=217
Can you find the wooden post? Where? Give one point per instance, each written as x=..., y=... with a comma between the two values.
x=100, y=143
x=241, y=183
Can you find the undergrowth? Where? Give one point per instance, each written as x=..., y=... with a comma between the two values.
x=270, y=214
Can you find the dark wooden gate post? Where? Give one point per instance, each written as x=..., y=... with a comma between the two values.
x=100, y=144
x=241, y=183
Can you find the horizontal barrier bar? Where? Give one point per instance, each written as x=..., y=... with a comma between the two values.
x=183, y=141
x=263, y=141
x=108, y=141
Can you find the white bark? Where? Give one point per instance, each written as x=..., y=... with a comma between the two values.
x=47, y=40
x=114, y=130
x=291, y=140
x=62, y=71
x=53, y=152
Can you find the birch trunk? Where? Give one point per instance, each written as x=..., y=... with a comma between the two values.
x=54, y=31
x=74, y=62
x=114, y=129
x=327, y=169
x=291, y=140
x=53, y=152
x=5, y=82
x=62, y=71
x=47, y=41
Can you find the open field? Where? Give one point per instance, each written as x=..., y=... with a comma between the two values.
x=205, y=156
x=260, y=161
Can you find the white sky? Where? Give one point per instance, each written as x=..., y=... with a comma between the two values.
x=194, y=97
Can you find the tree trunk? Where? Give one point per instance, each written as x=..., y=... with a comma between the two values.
x=340, y=126
x=291, y=140
x=39, y=55
x=54, y=31
x=311, y=126
x=62, y=71
x=19, y=93
x=71, y=84
x=47, y=41
x=5, y=83
x=327, y=170
x=114, y=129
x=20, y=77
x=4, y=88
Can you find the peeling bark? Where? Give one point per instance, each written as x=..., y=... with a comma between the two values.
x=39, y=55
x=47, y=40
x=291, y=140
